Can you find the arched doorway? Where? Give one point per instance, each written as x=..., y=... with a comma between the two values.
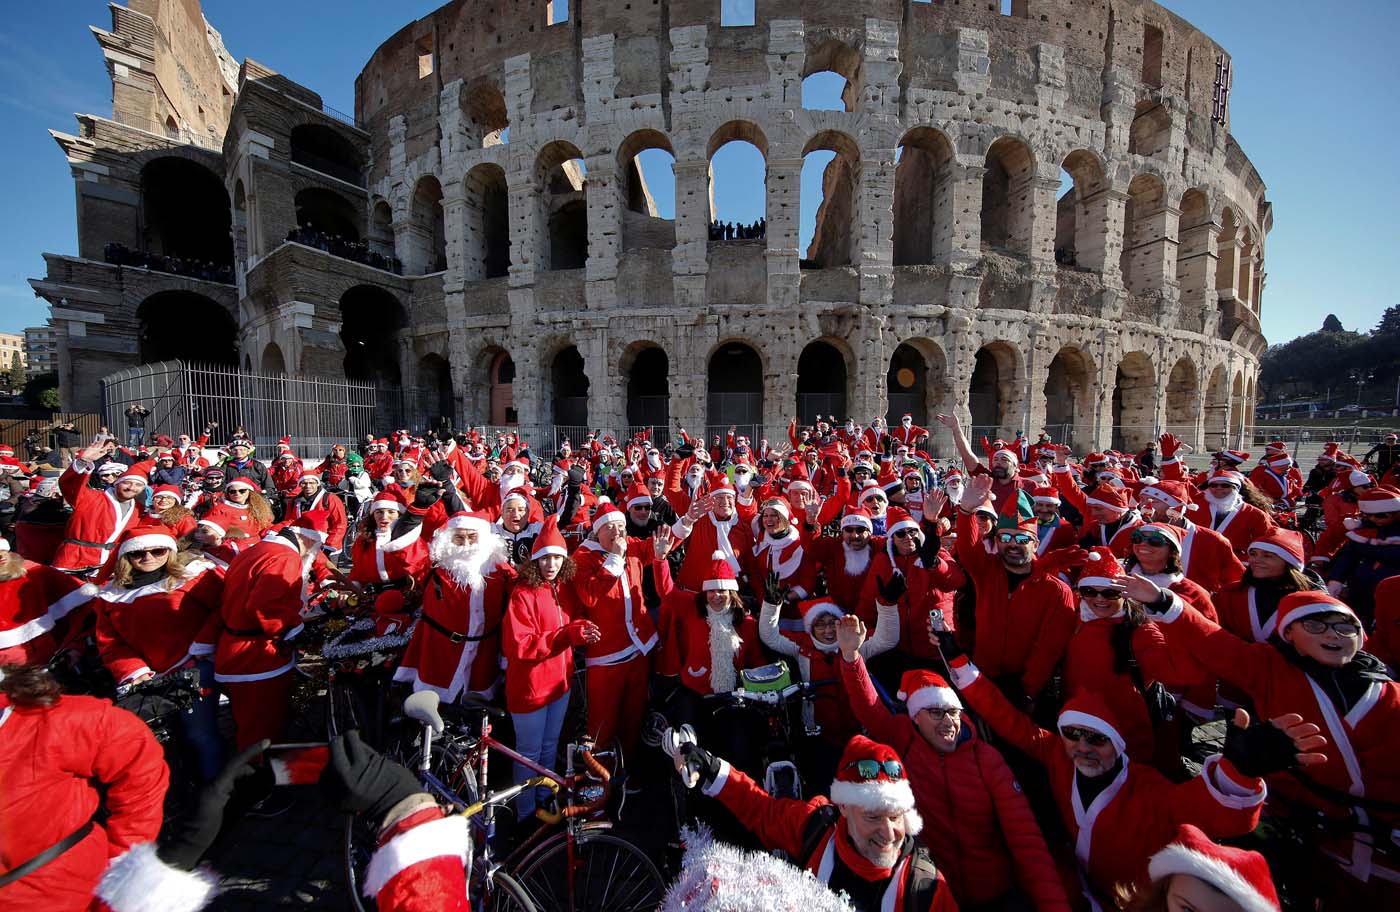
x=923, y=198
x=327, y=212
x=502, y=407
x=1134, y=402
x=436, y=406
x=186, y=326
x=821, y=383
x=371, y=321
x=324, y=149
x=569, y=390
x=994, y=395
x=427, y=240
x=1007, y=200
x=273, y=361
x=1183, y=392
x=1069, y=399
x=735, y=390
x=185, y=212
x=906, y=386
x=1237, y=410
x=562, y=214
x=1217, y=410
x=649, y=391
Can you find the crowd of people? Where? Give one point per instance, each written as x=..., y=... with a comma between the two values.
x=731, y=231
x=1010, y=649
x=343, y=247
x=207, y=270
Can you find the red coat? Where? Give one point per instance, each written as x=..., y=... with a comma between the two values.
x=1020, y=633
x=1384, y=641
x=686, y=648
x=609, y=592
x=1207, y=558
x=36, y=613
x=703, y=541
x=539, y=658
x=336, y=522
x=1064, y=535
x=375, y=561
x=264, y=592
x=1243, y=526
x=51, y=760
x=928, y=589
x=780, y=824
x=786, y=556
x=98, y=518
x=228, y=515
x=1137, y=814
x=433, y=661
x=154, y=629
x=977, y=823
x=1286, y=486
x=842, y=586
x=420, y=864
x=1363, y=740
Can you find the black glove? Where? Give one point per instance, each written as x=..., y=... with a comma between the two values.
x=928, y=551
x=773, y=590
x=948, y=644
x=426, y=495
x=577, y=476
x=686, y=451
x=361, y=780
x=1260, y=749
x=188, y=837
x=891, y=591
x=440, y=471
x=705, y=762
x=841, y=472
x=760, y=480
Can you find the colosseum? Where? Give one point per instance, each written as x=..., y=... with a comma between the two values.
x=1034, y=216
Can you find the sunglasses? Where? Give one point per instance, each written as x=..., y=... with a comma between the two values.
x=1015, y=538
x=645, y=508
x=1087, y=735
x=1340, y=628
x=871, y=769
x=1155, y=539
x=1091, y=592
x=139, y=553
x=940, y=714
x=906, y=533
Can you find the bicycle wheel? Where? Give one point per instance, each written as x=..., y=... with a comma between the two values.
x=609, y=874
x=507, y=895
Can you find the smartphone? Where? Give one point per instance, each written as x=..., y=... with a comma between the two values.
x=935, y=620
x=297, y=764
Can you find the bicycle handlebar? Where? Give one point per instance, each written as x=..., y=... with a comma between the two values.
x=802, y=689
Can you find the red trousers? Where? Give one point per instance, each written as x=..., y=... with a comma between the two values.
x=617, y=700
x=261, y=709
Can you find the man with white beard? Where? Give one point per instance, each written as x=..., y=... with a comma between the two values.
x=456, y=645
x=845, y=561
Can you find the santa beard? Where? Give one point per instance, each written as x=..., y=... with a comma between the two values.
x=724, y=644
x=467, y=565
x=11, y=566
x=1220, y=505
x=509, y=482
x=856, y=560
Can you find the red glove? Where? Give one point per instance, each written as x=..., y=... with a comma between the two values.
x=1061, y=560
x=1168, y=444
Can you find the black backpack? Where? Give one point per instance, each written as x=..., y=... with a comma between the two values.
x=921, y=876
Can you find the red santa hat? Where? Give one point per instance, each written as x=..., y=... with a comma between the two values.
x=1280, y=462
x=476, y=521
x=1284, y=543
x=872, y=489
x=1241, y=875
x=898, y=519
x=812, y=609
x=719, y=574
x=1171, y=493
x=858, y=517
x=722, y=485
x=987, y=508
x=1275, y=446
x=6, y=450
x=1003, y=450
x=1355, y=478
x=1086, y=709
x=921, y=689
x=638, y=495
x=953, y=474
x=1108, y=497
x=1298, y=605
x=165, y=490
x=313, y=525
x=798, y=477
x=311, y=474
x=1227, y=476
x=516, y=494
x=1045, y=495
x=1102, y=570
x=1238, y=457
x=887, y=791
x=242, y=481
x=778, y=505
x=607, y=513
x=1095, y=459
x=145, y=537
x=140, y=471
x=1172, y=533
x=550, y=540
x=1379, y=500
x=389, y=500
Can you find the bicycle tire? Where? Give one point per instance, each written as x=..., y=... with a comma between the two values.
x=507, y=895
x=628, y=880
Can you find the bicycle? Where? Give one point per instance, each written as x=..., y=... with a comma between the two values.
x=774, y=705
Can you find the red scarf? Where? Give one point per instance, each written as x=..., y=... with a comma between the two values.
x=850, y=857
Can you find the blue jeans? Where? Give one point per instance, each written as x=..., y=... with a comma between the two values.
x=537, y=737
x=200, y=725
x=135, y=436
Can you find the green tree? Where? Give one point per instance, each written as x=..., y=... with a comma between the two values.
x=17, y=377
x=1389, y=324
x=1332, y=324
x=37, y=390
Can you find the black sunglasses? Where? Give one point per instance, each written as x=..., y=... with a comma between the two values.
x=871, y=769
x=1091, y=592
x=1018, y=538
x=139, y=553
x=1087, y=735
x=907, y=533
x=643, y=507
x=1155, y=539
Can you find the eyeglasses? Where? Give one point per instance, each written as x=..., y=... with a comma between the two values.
x=907, y=533
x=1340, y=628
x=142, y=553
x=940, y=714
x=645, y=508
x=1015, y=538
x=1220, y=486
x=1089, y=592
x=1155, y=539
x=1087, y=735
x=871, y=769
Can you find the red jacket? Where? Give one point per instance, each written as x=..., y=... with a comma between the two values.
x=1020, y=633
x=539, y=658
x=98, y=518
x=264, y=591
x=687, y=650
x=609, y=592
x=51, y=762
x=1208, y=558
x=928, y=589
x=703, y=541
x=1140, y=810
x=228, y=515
x=433, y=661
x=1384, y=641
x=37, y=613
x=977, y=823
x=154, y=629
x=1243, y=526
x=336, y=522
x=796, y=568
x=842, y=586
x=390, y=560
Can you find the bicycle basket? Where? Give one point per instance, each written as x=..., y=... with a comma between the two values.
x=765, y=678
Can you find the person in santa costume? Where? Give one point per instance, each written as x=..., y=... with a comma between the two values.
x=456, y=646
x=167, y=508
x=981, y=829
x=158, y=613
x=99, y=516
x=389, y=551
x=1229, y=514
x=1371, y=552
x=241, y=507
x=1384, y=640
x=1004, y=466
x=1207, y=557
x=1277, y=478
x=265, y=590
x=844, y=560
x=1107, y=510
x=538, y=636
x=313, y=495
x=485, y=494
x=712, y=524
x=1315, y=668
x=1195, y=872
x=908, y=433
x=778, y=550
x=1052, y=529
x=1249, y=607
x=516, y=528
x=40, y=608
x=861, y=841
x=608, y=585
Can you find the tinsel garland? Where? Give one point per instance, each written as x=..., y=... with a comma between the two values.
x=717, y=877
x=339, y=650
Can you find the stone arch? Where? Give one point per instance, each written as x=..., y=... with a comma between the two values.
x=562, y=206
x=734, y=388
x=1008, y=197
x=924, y=178
x=1237, y=409
x=1244, y=284
x=1134, y=402
x=426, y=248
x=1193, y=248
x=833, y=240
x=1183, y=399
x=646, y=369
x=1081, y=214
x=272, y=361
x=489, y=389
x=185, y=211
x=1141, y=262
x=1227, y=265
x=996, y=395
x=437, y=406
x=328, y=212
x=1070, y=393
x=642, y=224
x=326, y=150
x=722, y=173
x=486, y=239
x=185, y=325
x=485, y=108
x=916, y=382
x=1251, y=399
x=823, y=370
x=371, y=321
x=1217, y=410
x=381, y=228
x=1151, y=130
x=836, y=56
x=568, y=386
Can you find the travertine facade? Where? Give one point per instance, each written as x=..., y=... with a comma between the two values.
x=946, y=275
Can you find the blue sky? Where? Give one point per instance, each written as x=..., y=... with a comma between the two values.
x=1313, y=105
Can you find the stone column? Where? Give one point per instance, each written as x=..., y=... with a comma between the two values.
x=454, y=208
x=881, y=68
x=966, y=201
x=604, y=219
x=1196, y=261
x=784, y=179
x=1115, y=206
x=1043, y=215
x=1229, y=267
x=1091, y=234
x=1154, y=240
x=873, y=250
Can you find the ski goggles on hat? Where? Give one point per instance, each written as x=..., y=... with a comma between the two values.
x=871, y=769
x=1155, y=539
x=1016, y=538
x=1091, y=592
x=1087, y=735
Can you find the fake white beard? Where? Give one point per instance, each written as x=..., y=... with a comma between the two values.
x=724, y=645
x=856, y=561
x=954, y=493
x=466, y=563
x=742, y=480
x=509, y=482
x=905, y=422
x=1220, y=505
x=693, y=482
x=654, y=461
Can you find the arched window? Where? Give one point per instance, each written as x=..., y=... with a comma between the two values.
x=186, y=326
x=487, y=237
x=563, y=206
x=1134, y=402
x=185, y=212
x=647, y=191
x=735, y=390
x=324, y=149
x=427, y=238
x=569, y=391
x=327, y=212
x=738, y=154
x=1007, y=197
x=821, y=383
x=923, y=198
x=827, y=217
x=1081, y=214
x=832, y=78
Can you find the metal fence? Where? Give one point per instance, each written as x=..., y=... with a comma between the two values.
x=14, y=432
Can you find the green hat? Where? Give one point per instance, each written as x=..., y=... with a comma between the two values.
x=355, y=461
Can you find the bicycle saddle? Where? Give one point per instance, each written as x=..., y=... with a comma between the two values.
x=423, y=706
